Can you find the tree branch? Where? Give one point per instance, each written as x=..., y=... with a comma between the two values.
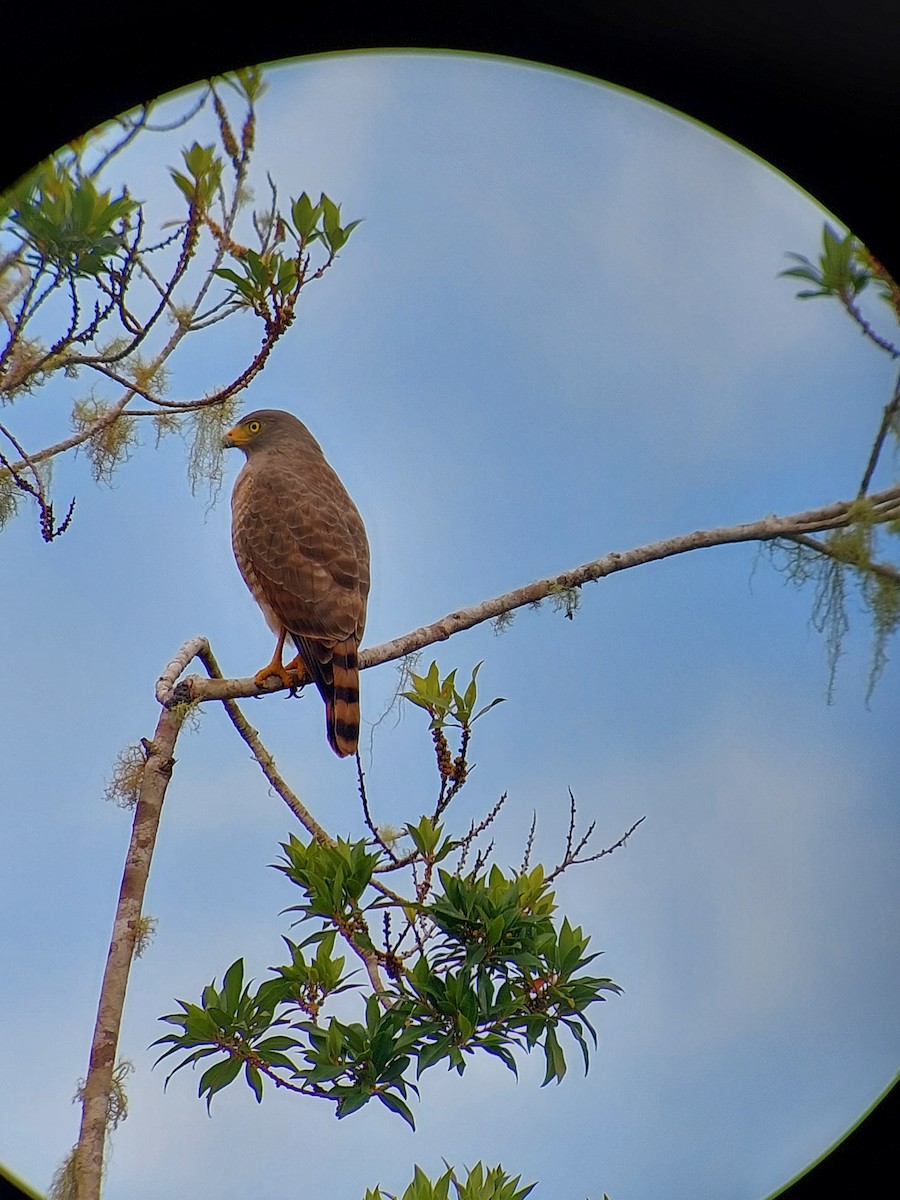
x=259, y=752
x=846, y=298
x=891, y=409
x=298, y=808
x=98, y=1083
x=174, y=697
x=886, y=570
x=885, y=506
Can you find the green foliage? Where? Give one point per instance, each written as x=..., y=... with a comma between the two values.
x=480, y=1183
x=471, y=962
x=839, y=271
x=333, y=876
x=267, y=281
x=320, y=221
x=72, y=252
x=66, y=222
x=427, y=836
x=446, y=706
x=491, y=972
x=247, y=82
x=844, y=268
x=233, y=1020
x=308, y=983
x=201, y=184
x=443, y=703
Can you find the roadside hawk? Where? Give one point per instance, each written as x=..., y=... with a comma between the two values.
x=301, y=547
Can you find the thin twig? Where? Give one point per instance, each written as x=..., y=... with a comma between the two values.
x=529, y=844
x=262, y=756
x=882, y=343
x=574, y=860
x=367, y=816
x=891, y=410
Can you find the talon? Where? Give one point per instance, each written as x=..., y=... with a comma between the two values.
x=292, y=675
x=297, y=672
x=288, y=678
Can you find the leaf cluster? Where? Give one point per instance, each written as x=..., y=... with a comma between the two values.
x=852, y=558
x=200, y=185
x=85, y=291
x=838, y=271
x=480, y=1183
x=443, y=702
x=844, y=268
x=469, y=962
x=66, y=222
x=497, y=976
x=448, y=707
x=268, y=282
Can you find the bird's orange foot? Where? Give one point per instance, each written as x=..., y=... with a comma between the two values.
x=292, y=674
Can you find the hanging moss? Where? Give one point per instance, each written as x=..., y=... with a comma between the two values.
x=110, y=443
x=9, y=497
x=205, y=457
x=853, y=559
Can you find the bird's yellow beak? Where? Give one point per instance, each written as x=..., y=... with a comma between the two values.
x=235, y=437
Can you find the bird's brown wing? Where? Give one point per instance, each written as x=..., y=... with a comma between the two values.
x=302, y=549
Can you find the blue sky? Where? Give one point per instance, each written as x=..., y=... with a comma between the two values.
x=558, y=332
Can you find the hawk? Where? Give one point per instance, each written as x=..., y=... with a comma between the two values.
x=301, y=546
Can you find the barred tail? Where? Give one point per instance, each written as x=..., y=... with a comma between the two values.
x=342, y=702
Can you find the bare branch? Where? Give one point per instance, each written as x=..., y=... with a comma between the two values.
x=369, y=958
x=846, y=298
x=194, y=648
x=571, y=858
x=49, y=527
x=260, y=753
x=367, y=815
x=891, y=410
x=476, y=830
x=885, y=506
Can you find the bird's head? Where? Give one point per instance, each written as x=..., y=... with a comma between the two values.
x=260, y=429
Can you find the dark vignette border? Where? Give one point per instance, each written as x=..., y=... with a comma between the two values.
x=811, y=86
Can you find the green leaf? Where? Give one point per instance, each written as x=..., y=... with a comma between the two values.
x=254, y=1079
x=395, y=1104
x=305, y=216
x=278, y=1042
x=352, y=1100
x=232, y=985
x=555, y=1059
x=218, y=1076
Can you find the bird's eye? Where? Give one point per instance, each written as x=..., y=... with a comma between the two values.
x=253, y=426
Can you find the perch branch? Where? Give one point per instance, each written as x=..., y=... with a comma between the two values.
x=885, y=506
